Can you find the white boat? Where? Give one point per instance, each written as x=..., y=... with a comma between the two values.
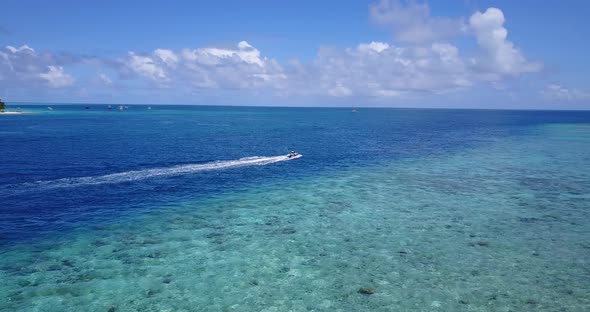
x=294, y=155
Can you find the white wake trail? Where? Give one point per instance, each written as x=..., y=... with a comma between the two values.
x=137, y=175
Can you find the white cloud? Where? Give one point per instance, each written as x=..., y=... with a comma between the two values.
x=23, y=66
x=23, y=48
x=423, y=62
x=561, y=93
x=56, y=77
x=105, y=79
x=167, y=56
x=214, y=56
x=378, y=69
x=239, y=68
x=375, y=69
x=373, y=47
x=412, y=23
x=499, y=56
x=146, y=66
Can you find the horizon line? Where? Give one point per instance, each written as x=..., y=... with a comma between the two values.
x=304, y=106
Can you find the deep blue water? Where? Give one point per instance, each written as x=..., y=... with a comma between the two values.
x=72, y=141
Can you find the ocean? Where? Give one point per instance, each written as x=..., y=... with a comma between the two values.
x=197, y=208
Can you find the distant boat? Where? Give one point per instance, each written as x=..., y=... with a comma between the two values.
x=149, y=107
x=353, y=110
x=50, y=108
x=109, y=107
x=121, y=107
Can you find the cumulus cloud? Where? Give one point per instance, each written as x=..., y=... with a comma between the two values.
x=378, y=69
x=167, y=56
x=146, y=66
x=422, y=61
x=561, y=93
x=56, y=77
x=499, y=56
x=412, y=23
x=242, y=67
x=24, y=66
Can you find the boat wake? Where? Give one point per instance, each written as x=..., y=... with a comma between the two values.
x=137, y=175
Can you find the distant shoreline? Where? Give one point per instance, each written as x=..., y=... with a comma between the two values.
x=11, y=113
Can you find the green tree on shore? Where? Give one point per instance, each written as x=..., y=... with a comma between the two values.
x=2, y=106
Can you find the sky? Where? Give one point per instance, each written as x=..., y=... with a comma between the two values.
x=522, y=54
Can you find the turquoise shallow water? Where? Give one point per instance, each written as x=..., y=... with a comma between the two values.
x=501, y=226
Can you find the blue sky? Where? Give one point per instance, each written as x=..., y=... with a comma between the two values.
x=481, y=54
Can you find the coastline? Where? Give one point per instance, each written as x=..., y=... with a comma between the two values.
x=11, y=113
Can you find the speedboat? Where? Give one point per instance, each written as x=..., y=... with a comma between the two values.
x=293, y=155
